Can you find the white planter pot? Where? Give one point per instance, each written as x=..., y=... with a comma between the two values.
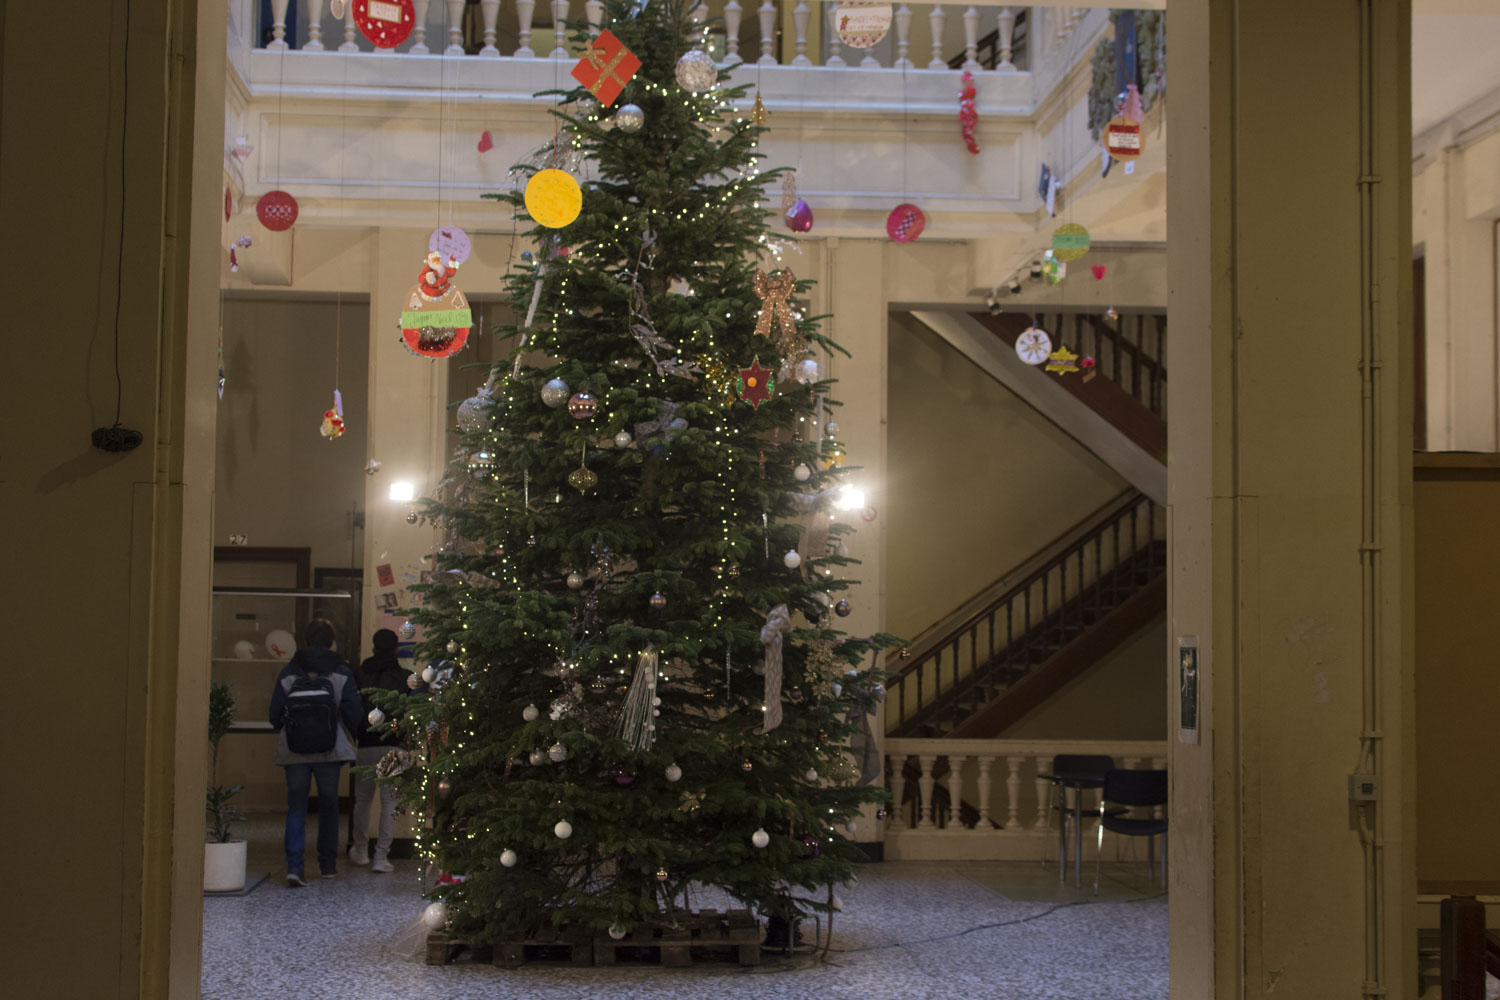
x=224, y=867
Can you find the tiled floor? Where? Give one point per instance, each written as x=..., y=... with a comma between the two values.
x=908, y=931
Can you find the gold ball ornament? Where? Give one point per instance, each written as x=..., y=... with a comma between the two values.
x=583, y=479
x=661, y=874
x=553, y=198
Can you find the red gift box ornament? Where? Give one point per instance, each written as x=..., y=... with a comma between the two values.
x=607, y=65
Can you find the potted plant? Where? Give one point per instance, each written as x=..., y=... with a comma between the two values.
x=223, y=856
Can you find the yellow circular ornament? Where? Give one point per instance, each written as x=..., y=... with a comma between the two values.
x=1070, y=241
x=553, y=198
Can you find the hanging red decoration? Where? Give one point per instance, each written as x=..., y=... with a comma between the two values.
x=276, y=210
x=386, y=23
x=755, y=384
x=905, y=223
x=967, y=116
x=607, y=65
x=436, y=320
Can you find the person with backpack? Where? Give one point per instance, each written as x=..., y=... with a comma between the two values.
x=380, y=671
x=316, y=708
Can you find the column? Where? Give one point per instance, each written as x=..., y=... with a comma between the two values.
x=955, y=791
x=896, y=769
x=1013, y=792
x=924, y=789
x=1289, y=500
x=1043, y=794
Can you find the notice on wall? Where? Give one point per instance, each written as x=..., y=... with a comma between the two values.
x=1187, y=689
x=384, y=575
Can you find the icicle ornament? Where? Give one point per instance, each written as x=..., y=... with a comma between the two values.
x=636, y=725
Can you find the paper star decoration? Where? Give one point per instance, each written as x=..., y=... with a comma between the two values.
x=1062, y=362
x=755, y=384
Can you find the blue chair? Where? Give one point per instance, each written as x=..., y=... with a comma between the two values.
x=1123, y=792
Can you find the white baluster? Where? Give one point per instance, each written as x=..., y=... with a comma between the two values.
x=935, y=19
x=314, y=26
x=732, y=14
x=924, y=788
x=559, y=29
x=984, y=793
x=278, y=26
x=767, y=14
x=955, y=791
x=455, y=28
x=834, y=59
x=897, y=771
x=489, y=11
x=696, y=18
x=349, y=45
x=971, y=40
x=1043, y=795
x=1007, y=24
x=524, y=11
x=1013, y=792
x=903, y=38
x=419, y=28
x=799, y=19
x=594, y=10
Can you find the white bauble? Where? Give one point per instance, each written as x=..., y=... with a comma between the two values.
x=838, y=904
x=622, y=439
x=563, y=829
x=428, y=674
x=530, y=713
x=508, y=858
x=674, y=773
x=616, y=931
x=696, y=71
x=836, y=688
x=851, y=827
x=811, y=775
x=760, y=838
x=557, y=753
x=537, y=758
x=793, y=559
x=436, y=914
x=802, y=473
x=575, y=580
x=376, y=716
x=244, y=650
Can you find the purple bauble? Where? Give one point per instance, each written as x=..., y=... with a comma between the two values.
x=799, y=217
x=621, y=776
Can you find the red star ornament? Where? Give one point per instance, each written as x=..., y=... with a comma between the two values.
x=755, y=384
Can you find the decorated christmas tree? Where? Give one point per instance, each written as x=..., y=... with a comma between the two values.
x=637, y=685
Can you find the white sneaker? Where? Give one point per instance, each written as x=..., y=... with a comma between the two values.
x=359, y=854
x=382, y=865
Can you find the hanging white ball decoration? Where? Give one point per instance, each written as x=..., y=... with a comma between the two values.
x=376, y=716
x=696, y=71
x=811, y=775
x=557, y=753
x=617, y=931
x=436, y=914
x=563, y=829
x=851, y=827
x=831, y=428
x=793, y=559
x=808, y=370
x=555, y=393
x=452, y=646
x=674, y=773
x=838, y=904
x=629, y=118
x=428, y=673
x=836, y=688
x=575, y=580
x=802, y=473
x=474, y=412
x=622, y=439
x=530, y=713
x=413, y=681
x=760, y=838
x=537, y=758
x=508, y=858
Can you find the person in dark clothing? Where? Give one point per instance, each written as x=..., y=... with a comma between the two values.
x=382, y=670
x=316, y=688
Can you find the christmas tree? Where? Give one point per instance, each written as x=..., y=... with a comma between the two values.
x=637, y=689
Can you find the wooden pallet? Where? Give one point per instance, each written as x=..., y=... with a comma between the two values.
x=548, y=946
x=693, y=939
x=445, y=950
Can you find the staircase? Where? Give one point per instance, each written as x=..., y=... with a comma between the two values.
x=1069, y=605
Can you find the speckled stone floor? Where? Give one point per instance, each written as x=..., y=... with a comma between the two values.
x=908, y=931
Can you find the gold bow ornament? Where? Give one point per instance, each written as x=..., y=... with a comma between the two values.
x=774, y=293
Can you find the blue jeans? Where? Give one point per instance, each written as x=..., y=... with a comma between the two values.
x=298, y=781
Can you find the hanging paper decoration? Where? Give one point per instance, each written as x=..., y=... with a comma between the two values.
x=1098, y=270
x=967, y=116
x=1062, y=362
x=450, y=241
x=775, y=307
x=778, y=623
x=485, y=142
x=386, y=23
x=333, y=418
x=1033, y=346
x=276, y=210
x=1132, y=107
x=606, y=66
x=553, y=198
x=863, y=23
x=1088, y=366
x=1053, y=269
x=637, y=722
x=436, y=320
x=1123, y=139
x=755, y=384
x=905, y=223
x=1070, y=241
x=228, y=204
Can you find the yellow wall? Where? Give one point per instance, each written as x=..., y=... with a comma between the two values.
x=979, y=480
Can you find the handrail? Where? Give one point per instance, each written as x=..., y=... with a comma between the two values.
x=1146, y=369
x=1035, y=616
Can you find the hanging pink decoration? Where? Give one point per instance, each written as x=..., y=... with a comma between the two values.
x=386, y=23
x=905, y=223
x=799, y=217
x=1132, y=108
x=1098, y=270
x=276, y=210
x=967, y=116
x=485, y=142
x=436, y=320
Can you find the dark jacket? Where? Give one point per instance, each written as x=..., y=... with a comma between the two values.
x=383, y=670
x=319, y=660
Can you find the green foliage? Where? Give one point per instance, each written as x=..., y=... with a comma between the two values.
x=700, y=508
x=1150, y=65
x=221, y=713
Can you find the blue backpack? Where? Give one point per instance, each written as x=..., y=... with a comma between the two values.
x=310, y=719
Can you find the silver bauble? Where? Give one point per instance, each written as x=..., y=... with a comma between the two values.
x=376, y=716
x=411, y=517
x=530, y=713
x=555, y=393
x=674, y=773
x=622, y=439
x=841, y=609
x=658, y=602
x=452, y=646
x=696, y=71
x=630, y=118
x=408, y=629
x=575, y=580
x=557, y=753
x=474, y=412
x=537, y=758
x=831, y=428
